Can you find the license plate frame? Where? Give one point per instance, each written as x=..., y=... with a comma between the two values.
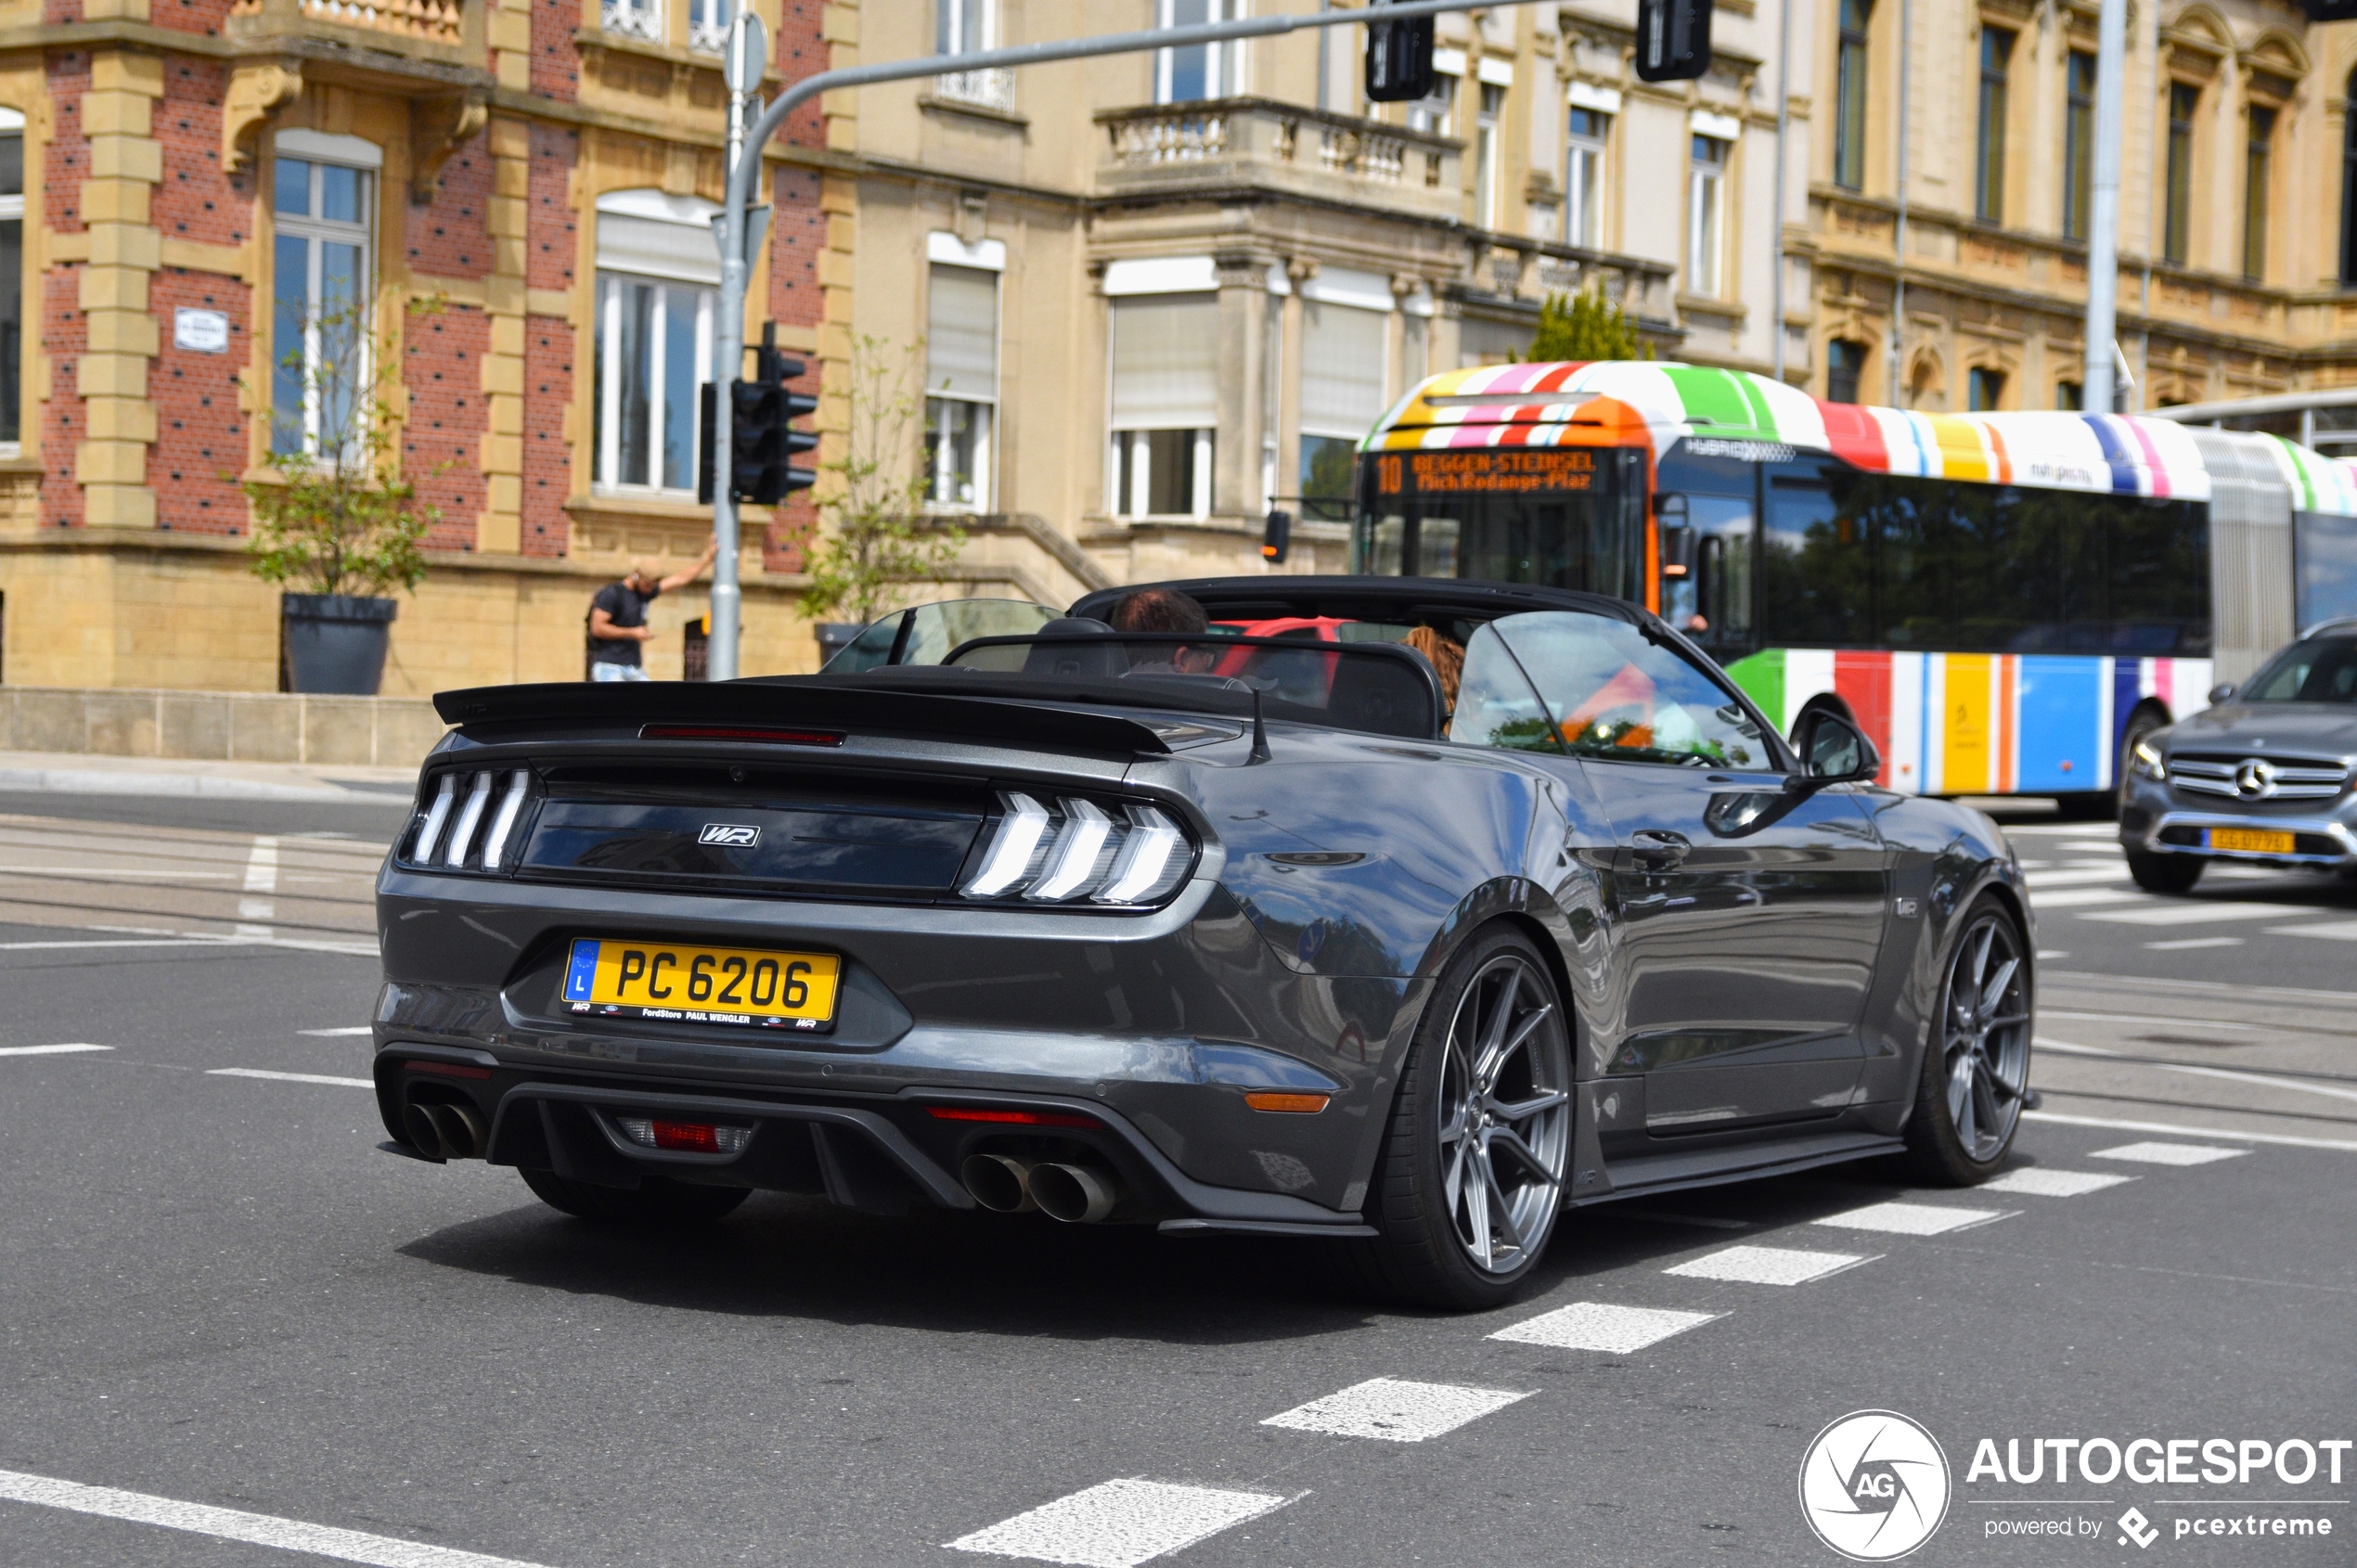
x=2251, y=841
x=695, y=982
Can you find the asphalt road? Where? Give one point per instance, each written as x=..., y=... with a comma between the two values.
x=219, y=1295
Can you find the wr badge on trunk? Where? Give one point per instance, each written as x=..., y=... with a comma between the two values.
x=728, y=833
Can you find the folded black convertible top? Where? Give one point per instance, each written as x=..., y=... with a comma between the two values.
x=843, y=702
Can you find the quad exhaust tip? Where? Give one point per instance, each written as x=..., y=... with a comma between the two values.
x=999, y=1183
x=1076, y=1194
x=444, y=1132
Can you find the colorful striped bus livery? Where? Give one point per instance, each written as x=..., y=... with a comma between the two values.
x=1986, y=723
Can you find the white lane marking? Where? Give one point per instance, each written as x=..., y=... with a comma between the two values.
x=235, y=1524
x=1119, y=1524
x=48, y=1050
x=2144, y=1018
x=1768, y=1265
x=2195, y=914
x=126, y=873
x=2075, y=876
x=2072, y=897
x=2169, y=1153
x=1592, y=1325
x=2286, y=1140
x=337, y=1034
x=1913, y=1219
x=2092, y=846
x=2269, y=1080
x=2052, y=953
x=1394, y=1409
x=2338, y=930
x=2065, y=1046
x=289, y=1077
x=2191, y=942
x=2042, y=1181
x=262, y=877
x=112, y=942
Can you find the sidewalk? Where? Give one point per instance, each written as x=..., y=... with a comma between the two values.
x=90, y=774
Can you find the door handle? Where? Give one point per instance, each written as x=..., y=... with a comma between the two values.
x=1657, y=849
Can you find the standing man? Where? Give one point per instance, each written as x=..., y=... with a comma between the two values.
x=618, y=616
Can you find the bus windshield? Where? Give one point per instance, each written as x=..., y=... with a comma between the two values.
x=1557, y=517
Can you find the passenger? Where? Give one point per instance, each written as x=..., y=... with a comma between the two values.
x=1447, y=660
x=1163, y=611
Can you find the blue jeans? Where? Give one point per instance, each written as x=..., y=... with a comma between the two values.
x=603, y=671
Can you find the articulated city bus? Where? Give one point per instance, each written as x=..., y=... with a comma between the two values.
x=2004, y=602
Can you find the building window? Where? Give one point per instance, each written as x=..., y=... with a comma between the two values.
x=1342, y=396
x=1988, y=189
x=1165, y=404
x=708, y=24
x=1584, y=179
x=1200, y=71
x=966, y=27
x=1486, y=148
x=1849, y=97
x=2178, y=212
x=2078, y=143
x=657, y=292
x=634, y=18
x=961, y=385
x=11, y=282
x=2348, y=194
x=319, y=298
x=1436, y=114
x=1843, y=360
x=1984, y=390
x=2258, y=163
x=2069, y=396
x=1705, y=213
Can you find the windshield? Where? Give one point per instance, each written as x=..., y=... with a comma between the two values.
x=1557, y=517
x=1388, y=688
x=2320, y=670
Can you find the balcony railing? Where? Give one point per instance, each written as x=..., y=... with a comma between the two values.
x=984, y=89
x=434, y=21
x=643, y=20
x=1259, y=140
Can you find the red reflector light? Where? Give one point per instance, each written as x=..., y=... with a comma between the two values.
x=1016, y=1118
x=688, y=1137
x=760, y=735
x=447, y=1069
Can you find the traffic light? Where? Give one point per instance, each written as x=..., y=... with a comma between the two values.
x=1399, y=59
x=1673, y=40
x=763, y=440
x=1276, y=538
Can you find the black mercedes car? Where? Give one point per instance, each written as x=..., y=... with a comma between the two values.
x=2262, y=776
x=1386, y=912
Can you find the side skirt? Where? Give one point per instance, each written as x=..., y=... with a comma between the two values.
x=1668, y=1173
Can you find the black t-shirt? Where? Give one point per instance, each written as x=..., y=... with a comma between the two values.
x=624, y=606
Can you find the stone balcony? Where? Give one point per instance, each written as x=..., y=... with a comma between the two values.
x=1176, y=150
x=441, y=40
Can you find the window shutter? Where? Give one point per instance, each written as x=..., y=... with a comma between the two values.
x=1341, y=369
x=961, y=333
x=1165, y=362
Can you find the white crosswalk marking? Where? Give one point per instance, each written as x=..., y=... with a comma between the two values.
x=1912, y=1219
x=2041, y=1181
x=2169, y=1153
x=2180, y=914
x=1119, y=1524
x=2337, y=931
x=1394, y=1409
x=1768, y=1265
x=289, y=1077
x=262, y=877
x=49, y=1050
x=2083, y=897
x=1590, y=1325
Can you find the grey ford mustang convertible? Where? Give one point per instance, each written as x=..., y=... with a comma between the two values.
x=1395, y=914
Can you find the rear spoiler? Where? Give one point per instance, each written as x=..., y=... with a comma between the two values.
x=846, y=703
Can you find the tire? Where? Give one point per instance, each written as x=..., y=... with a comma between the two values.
x=1468, y=1185
x=1975, y=1063
x=2165, y=873
x=657, y=1202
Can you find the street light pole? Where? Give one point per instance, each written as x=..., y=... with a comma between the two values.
x=737, y=240
x=2103, y=214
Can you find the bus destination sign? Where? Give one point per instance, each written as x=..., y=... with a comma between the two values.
x=1491, y=469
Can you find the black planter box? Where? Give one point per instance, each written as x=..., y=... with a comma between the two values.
x=335, y=643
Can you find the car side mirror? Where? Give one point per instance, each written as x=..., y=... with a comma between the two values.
x=2222, y=691
x=1676, y=533
x=1832, y=751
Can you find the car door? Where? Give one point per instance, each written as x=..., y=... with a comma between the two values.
x=1750, y=916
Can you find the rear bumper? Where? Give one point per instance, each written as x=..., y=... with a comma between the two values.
x=881, y=1152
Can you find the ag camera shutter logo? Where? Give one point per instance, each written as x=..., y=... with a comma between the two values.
x=1874, y=1486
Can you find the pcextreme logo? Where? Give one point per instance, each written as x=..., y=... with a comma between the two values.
x=1874, y=1486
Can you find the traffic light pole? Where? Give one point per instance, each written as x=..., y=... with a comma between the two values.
x=745, y=143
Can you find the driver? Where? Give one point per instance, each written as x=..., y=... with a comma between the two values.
x=1164, y=611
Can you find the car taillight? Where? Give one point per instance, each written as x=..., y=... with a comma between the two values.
x=469, y=822
x=1081, y=850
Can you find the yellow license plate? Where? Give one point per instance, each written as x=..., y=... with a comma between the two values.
x=743, y=985
x=2252, y=840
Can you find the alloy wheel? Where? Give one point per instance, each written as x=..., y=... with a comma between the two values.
x=1984, y=1039
x=1505, y=1115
